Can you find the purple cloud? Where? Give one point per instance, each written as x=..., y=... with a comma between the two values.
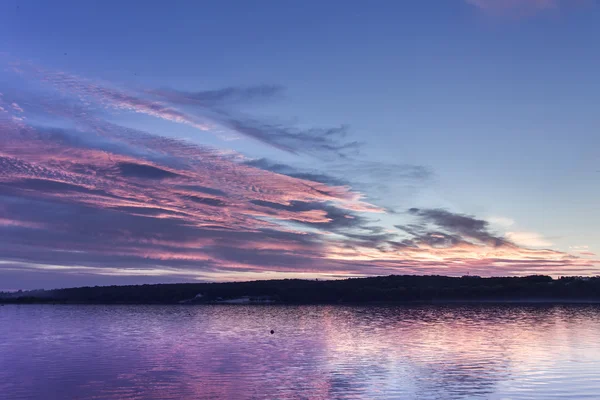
x=207, y=111
x=98, y=199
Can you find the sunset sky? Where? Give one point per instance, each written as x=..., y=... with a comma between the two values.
x=232, y=140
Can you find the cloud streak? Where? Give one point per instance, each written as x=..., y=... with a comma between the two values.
x=528, y=239
x=221, y=97
x=92, y=198
x=514, y=6
x=522, y=8
x=213, y=111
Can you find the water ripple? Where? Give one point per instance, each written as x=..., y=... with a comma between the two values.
x=317, y=352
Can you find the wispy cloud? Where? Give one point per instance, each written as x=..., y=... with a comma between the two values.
x=101, y=199
x=460, y=226
x=375, y=178
x=530, y=239
x=211, y=110
x=501, y=221
x=16, y=107
x=221, y=97
x=521, y=8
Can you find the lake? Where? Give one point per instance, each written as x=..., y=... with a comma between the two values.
x=316, y=352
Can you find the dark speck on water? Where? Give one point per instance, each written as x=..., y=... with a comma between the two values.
x=272, y=331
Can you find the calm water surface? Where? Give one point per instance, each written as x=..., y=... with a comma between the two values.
x=317, y=352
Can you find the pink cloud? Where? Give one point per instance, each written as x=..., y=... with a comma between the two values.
x=211, y=114
x=103, y=199
x=211, y=217
x=16, y=107
x=528, y=239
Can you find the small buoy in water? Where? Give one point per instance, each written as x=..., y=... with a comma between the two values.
x=272, y=331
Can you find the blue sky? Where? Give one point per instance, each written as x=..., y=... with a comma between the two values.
x=482, y=109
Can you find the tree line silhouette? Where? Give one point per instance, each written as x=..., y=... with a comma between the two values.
x=394, y=288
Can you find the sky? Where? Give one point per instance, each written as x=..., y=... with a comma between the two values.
x=193, y=141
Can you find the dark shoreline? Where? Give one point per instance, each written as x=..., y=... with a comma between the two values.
x=528, y=302
x=394, y=289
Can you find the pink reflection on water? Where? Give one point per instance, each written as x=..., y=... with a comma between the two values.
x=320, y=352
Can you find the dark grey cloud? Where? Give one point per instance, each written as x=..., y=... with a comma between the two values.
x=383, y=242
x=338, y=219
x=457, y=227
x=218, y=103
x=222, y=97
x=209, y=201
x=434, y=238
x=202, y=189
x=315, y=141
x=288, y=170
x=356, y=230
x=133, y=170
